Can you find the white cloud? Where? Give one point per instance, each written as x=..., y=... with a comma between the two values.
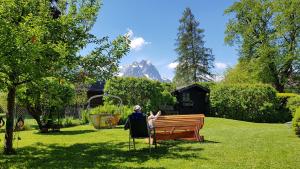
x=220, y=65
x=218, y=78
x=129, y=33
x=120, y=74
x=173, y=65
x=137, y=43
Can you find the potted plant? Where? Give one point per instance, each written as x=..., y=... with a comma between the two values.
x=105, y=116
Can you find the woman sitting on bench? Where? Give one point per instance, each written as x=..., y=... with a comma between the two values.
x=139, y=115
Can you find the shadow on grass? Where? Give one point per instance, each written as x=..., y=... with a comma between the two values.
x=210, y=142
x=96, y=155
x=71, y=132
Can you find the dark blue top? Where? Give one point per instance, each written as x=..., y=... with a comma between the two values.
x=134, y=116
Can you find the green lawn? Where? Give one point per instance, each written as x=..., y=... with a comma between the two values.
x=229, y=144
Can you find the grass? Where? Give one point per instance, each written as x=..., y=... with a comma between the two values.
x=229, y=144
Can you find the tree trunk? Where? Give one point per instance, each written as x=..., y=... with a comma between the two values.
x=35, y=113
x=279, y=87
x=11, y=97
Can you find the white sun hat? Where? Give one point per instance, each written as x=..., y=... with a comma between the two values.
x=137, y=107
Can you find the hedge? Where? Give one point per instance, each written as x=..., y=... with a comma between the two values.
x=293, y=103
x=248, y=102
x=296, y=121
x=147, y=93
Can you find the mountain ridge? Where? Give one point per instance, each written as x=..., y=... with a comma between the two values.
x=144, y=68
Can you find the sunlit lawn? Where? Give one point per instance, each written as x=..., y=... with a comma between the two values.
x=229, y=144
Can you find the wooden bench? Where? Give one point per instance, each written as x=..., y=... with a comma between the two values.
x=179, y=127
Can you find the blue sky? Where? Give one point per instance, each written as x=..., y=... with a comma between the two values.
x=153, y=27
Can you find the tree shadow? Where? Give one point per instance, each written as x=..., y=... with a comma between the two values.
x=68, y=132
x=210, y=142
x=95, y=155
x=179, y=142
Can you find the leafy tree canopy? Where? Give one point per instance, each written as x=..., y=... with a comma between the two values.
x=40, y=39
x=267, y=34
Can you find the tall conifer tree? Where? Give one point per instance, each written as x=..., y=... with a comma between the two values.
x=195, y=61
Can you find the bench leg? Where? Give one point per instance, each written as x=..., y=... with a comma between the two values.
x=133, y=143
x=201, y=138
x=150, y=144
x=129, y=142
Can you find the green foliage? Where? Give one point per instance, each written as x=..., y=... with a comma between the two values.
x=243, y=72
x=106, y=109
x=126, y=111
x=123, y=111
x=3, y=102
x=195, y=61
x=267, y=34
x=37, y=45
x=40, y=45
x=296, y=121
x=103, y=62
x=69, y=122
x=85, y=119
x=147, y=93
x=249, y=102
x=46, y=93
x=293, y=103
x=208, y=85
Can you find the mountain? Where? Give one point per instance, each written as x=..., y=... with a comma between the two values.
x=142, y=69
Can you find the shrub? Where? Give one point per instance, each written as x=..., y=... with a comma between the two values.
x=126, y=111
x=70, y=122
x=208, y=85
x=296, y=121
x=85, y=119
x=123, y=111
x=283, y=101
x=106, y=109
x=147, y=93
x=249, y=102
x=293, y=103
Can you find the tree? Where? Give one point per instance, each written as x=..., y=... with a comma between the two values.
x=267, y=34
x=194, y=59
x=38, y=41
x=47, y=93
x=97, y=65
x=242, y=72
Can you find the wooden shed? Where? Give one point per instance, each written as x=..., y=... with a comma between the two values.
x=96, y=89
x=192, y=99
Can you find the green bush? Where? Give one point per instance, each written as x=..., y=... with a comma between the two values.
x=293, y=103
x=85, y=119
x=147, y=93
x=283, y=101
x=126, y=111
x=208, y=85
x=70, y=122
x=248, y=102
x=296, y=121
x=123, y=111
x=106, y=109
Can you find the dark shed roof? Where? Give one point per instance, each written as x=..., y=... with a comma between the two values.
x=97, y=87
x=181, y=89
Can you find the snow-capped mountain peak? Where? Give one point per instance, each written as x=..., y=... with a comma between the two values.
x=143, y=68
